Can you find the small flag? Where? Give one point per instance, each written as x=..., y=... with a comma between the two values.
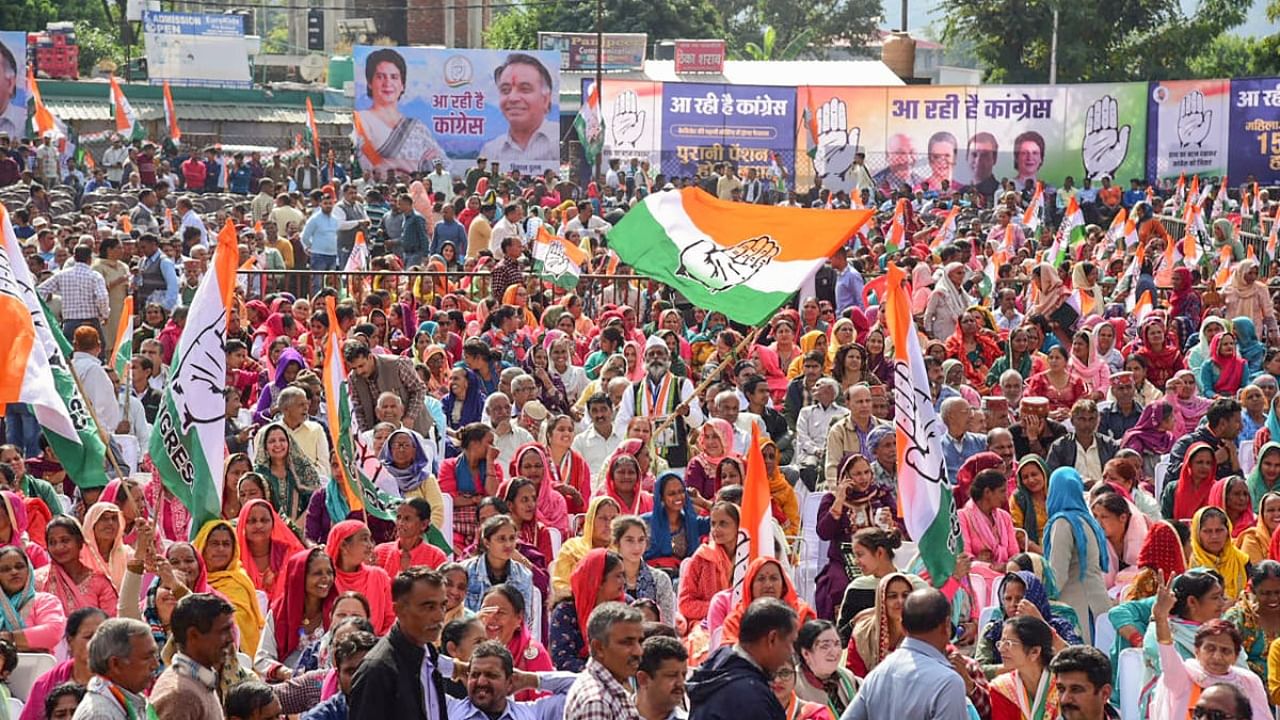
x=1224, y=266
x=1272, y=240
x=1031, y=217
x=125, y=223
x=1143, y=307
x=1190, y=250
x=313, y=131
x=171, y=116
x=897, y=235
x=755, y=531
x=1115, y=233
x=358, y=260
x=361, y=139
x=1220, y=200
x=1164, y=277
x=168, y=219
x=1179, y=193
x=947, y=231
x=1193, y=195
x=1249, y=253
x=589, y=124
x=557, y=259
x=89, y=162
x=127, y=125
x=1257, y=200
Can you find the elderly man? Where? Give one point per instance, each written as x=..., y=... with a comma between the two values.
x=507, y=435
x=1083, y=448
x=597, y=443
x=308, y=435
x=1000, y=442
x=729, y=408
x=958, y=444
x=812, y=427
x=526, y=94
x=602, y=691
x=657, y=396
x=202, y=627
x=94, y=381
x=848, y=435
x=1035, y=432
x=524, y=389
x=1120, y=413
x=123, y=658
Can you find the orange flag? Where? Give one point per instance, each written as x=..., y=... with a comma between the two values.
x=1224, y=265
x=367, y=147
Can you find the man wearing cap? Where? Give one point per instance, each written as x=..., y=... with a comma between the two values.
x=1120, y=412
x=1035, y=432
x=441, y=181
x=995, y=411
x=659, y=395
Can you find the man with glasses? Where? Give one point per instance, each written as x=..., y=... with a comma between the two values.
x=1222, y=701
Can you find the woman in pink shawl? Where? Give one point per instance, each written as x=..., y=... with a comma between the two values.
x=1084, y=364
x=715, y=443
x=67, y=577
x=172, y=516
x=16, y=514
x=987, y=526
x=531, y=461
x=774, y=376
x=105, y=550
x=1188, y=406
x=130, y=513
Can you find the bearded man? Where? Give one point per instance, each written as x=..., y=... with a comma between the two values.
x=658, y=395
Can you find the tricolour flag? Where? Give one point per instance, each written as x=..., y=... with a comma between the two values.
x=743, y=260
x=1143, y=307
x=1224, y=266
x=897, y=235
x=187, y=442
x=1180, y=192
x=924, y=495
x=1193, y=219
x=312, y=131
x=1273, y=239
x=1189, y=250
x=361, y=140
x=1220, y=200
x=947, y=231
x=755, y=530
x=358, y=260
x=589, y=124
x=1031, y=217
x=353, y=491
x=123, y=350
x=557, y=259
x=1256, y=207
x=1070, y=232
x=82, y=456
x=1115, y=233
x=127, y=124
x=171, y=116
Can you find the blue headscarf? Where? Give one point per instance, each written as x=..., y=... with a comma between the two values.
x=1066, y=502
x=11, y=605
x=472, y=403
x=1248, y=346
x=1035, y=594
x=660, y=531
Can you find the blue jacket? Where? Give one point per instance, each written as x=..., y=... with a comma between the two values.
x=335, y=708
x=728, y=686
x=445, y=231
x=413, y=238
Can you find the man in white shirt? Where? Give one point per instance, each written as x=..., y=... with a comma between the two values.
x=115, y=158
x=532, y=142
x=508, y=226
x=597, y=443
x=587, y=224
x=812, y=426
x=13, y=116
x=1007, y=316
x=191, y=219
x=612, y=178
x=507, y=436
x=729, y=409
x=98, y=389
x=441, y=181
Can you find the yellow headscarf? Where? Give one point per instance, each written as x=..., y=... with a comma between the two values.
x=576, y=548
x=783, y=495
x=235, y=585
x=808, y=342
x=1230, y=564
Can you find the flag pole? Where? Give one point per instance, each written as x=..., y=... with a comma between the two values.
x=106, y=441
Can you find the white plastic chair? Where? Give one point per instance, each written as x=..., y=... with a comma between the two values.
x=15, y=707
x=556, y=540
x=1129, y=678
x=30, y=667
x=985, y=616
x=813, y=548
x=446, y=502
x=1104, y=632
x=533, y=615
x=1162, y=469
x=246, y=662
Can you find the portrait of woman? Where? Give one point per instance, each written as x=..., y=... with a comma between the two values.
x=403, y=143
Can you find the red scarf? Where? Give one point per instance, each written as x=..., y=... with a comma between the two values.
x=289, y=608
x=585, y=583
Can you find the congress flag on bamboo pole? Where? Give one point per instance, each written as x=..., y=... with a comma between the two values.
x=123, y=350
x=187, y=441
x=126, y=119
x=1031, y=218
x=924, y=496
x=755, y=530
x=313, y=132
x=84, y=457
x=743, y=260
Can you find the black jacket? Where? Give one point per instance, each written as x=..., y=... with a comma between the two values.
x=1063, y=452
x=388, y=686
x=728, y=687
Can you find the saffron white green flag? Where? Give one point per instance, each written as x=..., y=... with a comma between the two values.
x=127, y=124
x=924, y=494
x=557, y=259
x=743, y=260
x=187, y=442
x=590, y=125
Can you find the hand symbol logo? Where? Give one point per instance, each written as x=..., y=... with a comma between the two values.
x=628, y=119
x=1105, y=142
x=719, y=269
x=557, y=262
x=837, y=143
x=1193, y=120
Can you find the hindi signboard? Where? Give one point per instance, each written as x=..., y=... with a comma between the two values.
x=699, y=56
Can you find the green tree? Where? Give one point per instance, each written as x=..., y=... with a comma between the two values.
x=518, y=28
x=814, y=24
x=1097, y=42
x=770, y=49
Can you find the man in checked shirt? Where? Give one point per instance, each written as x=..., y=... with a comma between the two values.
x=83, y=293
x=602, y=691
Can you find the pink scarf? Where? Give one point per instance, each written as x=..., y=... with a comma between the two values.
x=980, y=533
x=553, y=510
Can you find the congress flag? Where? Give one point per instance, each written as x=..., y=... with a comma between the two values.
x=171, y=116
x=557, y=259
x=1031, y=218
x=589, y=124
x=743, y=260
x=755, y=531
x=123, y=350
x=313, y=132
x=126, y=119
x=187, y=442
x=924, y=495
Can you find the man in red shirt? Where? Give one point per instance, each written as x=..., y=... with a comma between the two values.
x=193, y=173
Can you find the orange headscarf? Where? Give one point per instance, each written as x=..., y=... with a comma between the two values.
x=729, y=631
x=283, y=544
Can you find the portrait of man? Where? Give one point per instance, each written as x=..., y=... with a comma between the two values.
x=1028, y=156
x=901, y=159
x=525, y=97
x=13, y=115
x=981, y=154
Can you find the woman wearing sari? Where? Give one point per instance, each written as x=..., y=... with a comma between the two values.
x=782, y=496
x=531, y=461
x=551, y=390
x=622, y=483
x=878, y=630
x=975, y=349
x=985, y=525
x=33, y=621
x=404, y=144
x=1152, y=436
x=265, y=543
x=411, y=546
x=289, y=474
x=854, y=505
x=286, y=370
x=1211, y=548
x=1248, y=345
x=1018, y=355
x=217, y=545
x=67, y=577
x=809, y=342
x=820, y=678
x=1210, y=328
x=1027, y=508
x=570, y=473
x=299, y=617
x=1021, y=594
x=407, y=470
x=1026, y=691
x=715, y=443
x=1181, y=500
x=465, y=402
x=595, y=534
x=764, y=578
x=1224, y=372
x=81, y=625
x=1086, y=366
x=1125, y=528
x=1231, y=495
x=349, y=545
x=14, y=524
x=946, y=303
x=106, y=552
x=1162, y=356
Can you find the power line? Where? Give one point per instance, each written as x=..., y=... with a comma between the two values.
x=362, y=7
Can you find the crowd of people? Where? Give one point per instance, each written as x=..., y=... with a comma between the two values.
x=567, y=466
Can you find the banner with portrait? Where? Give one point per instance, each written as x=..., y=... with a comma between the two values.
x=925, y=136
x=745, y=126
x=13, y=83
x=1255, y=130
x=418, y=105
x=632, y=112
x=1187, y=128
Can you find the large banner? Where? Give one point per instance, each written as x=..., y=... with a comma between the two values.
x=196, y=50
x=13, y=83
x=632, y=112
x=417, y=105
x=1255, y=130
x=1187, y=128
x=971, y=136
x=707, y=124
